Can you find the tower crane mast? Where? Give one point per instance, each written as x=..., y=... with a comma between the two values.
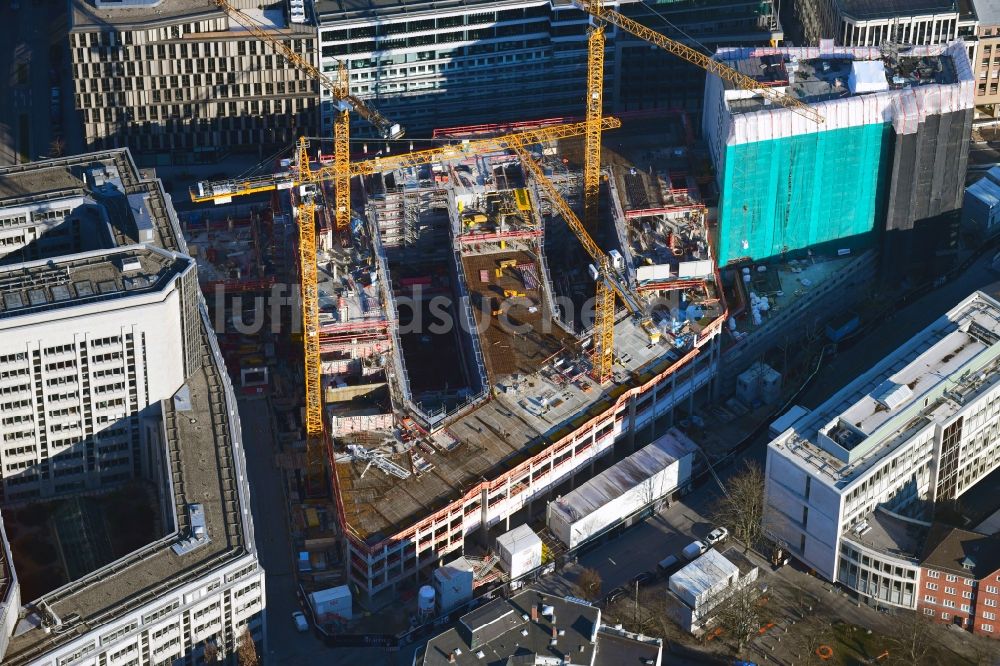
x=306, y=214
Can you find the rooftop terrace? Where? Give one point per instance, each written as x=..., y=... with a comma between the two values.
x=925, y=381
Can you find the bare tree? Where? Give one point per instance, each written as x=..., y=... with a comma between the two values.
x=739, y=614
x=246, y=649
x=806, y=637
x=589, y=584
x=211, y=653
x=911, y=639
x=57, y=147
x=741, y=509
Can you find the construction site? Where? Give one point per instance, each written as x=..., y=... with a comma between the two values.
x=485, y=324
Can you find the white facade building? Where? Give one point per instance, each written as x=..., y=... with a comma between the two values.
x=849, y=485
x=109, y=372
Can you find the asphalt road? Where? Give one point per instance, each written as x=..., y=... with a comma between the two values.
x=285, y=646
x=27, y=36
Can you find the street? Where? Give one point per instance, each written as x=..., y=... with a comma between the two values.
x=31, y=117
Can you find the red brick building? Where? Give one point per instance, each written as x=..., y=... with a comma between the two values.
x=960, y=580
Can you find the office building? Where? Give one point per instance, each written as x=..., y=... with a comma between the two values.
x=432, y=65
x=871, y=23
x=179, y=82
x=960, y=580
x=986, y=59
x=111, y=374
x=887, y=161
x=851, y=485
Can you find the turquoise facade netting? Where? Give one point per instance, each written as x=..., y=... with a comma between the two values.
x=789, y=194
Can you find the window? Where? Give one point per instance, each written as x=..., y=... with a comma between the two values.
x=987, y=615
x=988, y=628
x=928, y=611
x=948, y=603
x=945, y=616
x=966, y=594
x=965, y=608
x=933, y=574
x=992, y=589
x=949, y=590
x=930, y=598
x=932, y=586
x=992, y=603
x=951, y=578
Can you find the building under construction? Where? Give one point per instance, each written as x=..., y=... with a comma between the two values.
x=893, y=146
x=456, y=347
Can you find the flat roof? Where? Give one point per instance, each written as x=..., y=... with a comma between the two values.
x=623, y=476
x=200, y=441
x=85, y=15
x=819, y=77
x=925, y=381
x=704, y=573
x=886, y=532
x=875, y=9
x=331, y=12
x=101, y=275
x=125, y=195
x=987, y=11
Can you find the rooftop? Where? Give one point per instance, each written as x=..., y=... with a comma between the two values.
x=206, y=495
x=504, y=628
x=925, y=381
x=962, y=552
x=875, y=9
x=987, y=11
x=886, y=532
x=705, y=574
x=85, y=14
x=845, y=73
x=332, y=11
x=100, y=275
x=135, y=207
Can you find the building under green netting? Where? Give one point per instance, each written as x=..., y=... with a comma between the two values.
x=783, y=195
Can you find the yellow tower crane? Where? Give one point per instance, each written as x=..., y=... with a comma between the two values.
x=345, y=102
x=224, y=191
x=342, y=98
x=608, y=281
x=595, y=110
x=595, y=87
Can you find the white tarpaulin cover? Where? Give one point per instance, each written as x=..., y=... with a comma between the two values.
x=867, y=76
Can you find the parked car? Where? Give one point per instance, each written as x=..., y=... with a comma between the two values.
x=644, y=579
x=301, y=623
x=615, y=594
x=668, y=564
x=694, y=549
x=718, y=535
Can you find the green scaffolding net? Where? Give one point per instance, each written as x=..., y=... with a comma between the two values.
x=788, y=194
